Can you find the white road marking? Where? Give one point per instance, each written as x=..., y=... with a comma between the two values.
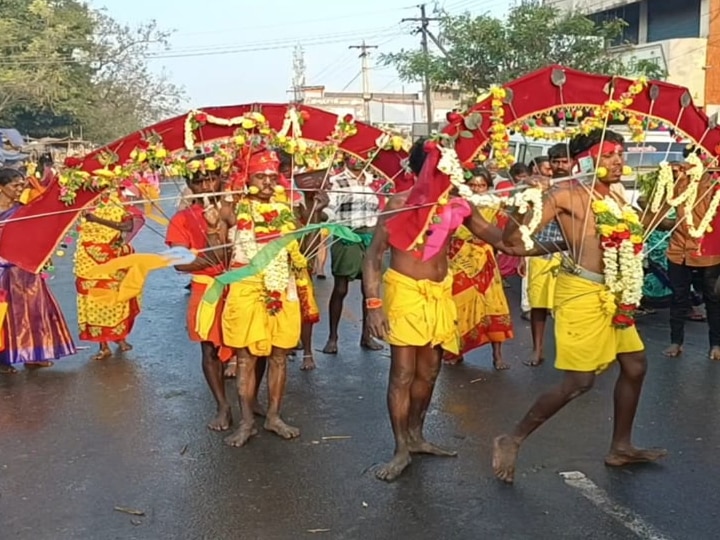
x=626, y=517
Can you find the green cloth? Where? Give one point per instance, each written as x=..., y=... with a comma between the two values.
x=346, y=257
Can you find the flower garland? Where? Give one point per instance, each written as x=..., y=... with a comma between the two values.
x=665, y=191
x=257, y=221
x=450, y=165
x=499, y=137
x=621, y=237
x=589, y=120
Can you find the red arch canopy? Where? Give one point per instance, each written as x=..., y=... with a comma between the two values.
x=46, y=220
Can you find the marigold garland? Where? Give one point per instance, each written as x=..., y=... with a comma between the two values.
x=621, y=237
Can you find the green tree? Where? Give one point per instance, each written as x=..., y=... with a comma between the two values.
x=477, y=52
x=126, y=95
x=68, y=69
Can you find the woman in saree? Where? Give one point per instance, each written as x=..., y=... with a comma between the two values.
x=478, y=292
x=104, y=235
x=34, y=331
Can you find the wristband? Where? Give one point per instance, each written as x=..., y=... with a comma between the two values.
x=373, y=303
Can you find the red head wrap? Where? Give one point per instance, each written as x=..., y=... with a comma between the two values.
x=265, y=161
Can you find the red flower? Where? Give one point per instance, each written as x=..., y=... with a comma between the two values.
x=201, y=118
x=244, y=224
x=271, y=216
x=638, y=248
x=623, y=320
x=304, y=115
x=624, y=235
x=348, y=119
x=454, y=118
x=72, y=162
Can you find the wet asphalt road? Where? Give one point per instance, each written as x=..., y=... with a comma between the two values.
x=84, y=437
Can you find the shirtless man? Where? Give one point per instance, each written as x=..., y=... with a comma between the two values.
x=198, y=226
x=586, y=340
x=418, y=319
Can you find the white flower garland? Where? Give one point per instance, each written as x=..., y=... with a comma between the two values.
x=665, y=190
x=276, y=276
x=623, y=268
x=291, y=122
x=227, y=122
x=530, y=198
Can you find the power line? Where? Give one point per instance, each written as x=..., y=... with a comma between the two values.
x=364, y=54
x=425, y=21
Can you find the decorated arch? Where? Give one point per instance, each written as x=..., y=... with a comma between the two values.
x=555, y=103
x=297, y=129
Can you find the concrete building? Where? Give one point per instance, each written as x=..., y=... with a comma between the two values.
x=403, y=111
x=682, y=36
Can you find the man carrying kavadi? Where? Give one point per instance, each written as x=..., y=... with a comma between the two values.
x=417, y=315
x=595, y=300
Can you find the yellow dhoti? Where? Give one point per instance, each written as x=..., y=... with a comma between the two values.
x=246, y=322
x=585, y=337
x=420, y=312
x=542, y=275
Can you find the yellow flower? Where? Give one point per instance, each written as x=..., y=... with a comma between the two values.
x=291, y=147
x=248, y=123
x=279, y=189
x=302, y=282
x=161, y=153
x=244, y=216
x=211, y=164
x=253, y=190
x=442, y=201
x=600, y=207
x=302, y=146
x=239, y=140
x=142, y=156
x=621, y=227
x=264, y=208
x=258, y=117
x=133, y=154
x=606, y=230
x=397, y=143
x=262, y=230
x=635, y=239
x=631, y=217
x=282, y=139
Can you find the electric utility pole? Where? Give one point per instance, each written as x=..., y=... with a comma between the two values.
x=424, y=31
x=367, y=95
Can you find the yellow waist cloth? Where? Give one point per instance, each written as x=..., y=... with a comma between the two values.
x=246, y=322
x=585, y=337
x=542, y=275
x=420, y=312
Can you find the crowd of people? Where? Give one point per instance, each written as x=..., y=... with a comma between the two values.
x=429, y=309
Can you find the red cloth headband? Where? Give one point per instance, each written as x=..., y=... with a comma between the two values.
x=599, y=149
x=263, y=162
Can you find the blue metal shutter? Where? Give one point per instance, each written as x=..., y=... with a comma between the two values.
x=673, y=19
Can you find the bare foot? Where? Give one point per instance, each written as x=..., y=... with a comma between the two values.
x=454, y=361
x=230, y=370
x=421, y=446
x=241, y=436
x=393, y=468
x=534, y=361
x=7, y=370
x=330, y=347
x=102, y=354
x=505, y=453
x=308, y=363
x=39, y=365
x=673, y=351
x=278, y=426
x=369, y=344
x=627, y=456
x=499, y=364
x=715, y=353
x=222, y=420
x=124, y=346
